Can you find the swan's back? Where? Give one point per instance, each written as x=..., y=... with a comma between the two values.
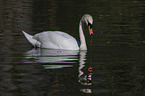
x=56, y=40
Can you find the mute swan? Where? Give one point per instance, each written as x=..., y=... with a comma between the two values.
x=62, y=40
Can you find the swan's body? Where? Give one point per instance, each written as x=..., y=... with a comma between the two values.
x=57, y=40
x=61, y=40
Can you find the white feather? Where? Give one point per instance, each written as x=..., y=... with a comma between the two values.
x=30, y=38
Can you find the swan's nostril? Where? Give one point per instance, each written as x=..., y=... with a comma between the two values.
x=89, y=24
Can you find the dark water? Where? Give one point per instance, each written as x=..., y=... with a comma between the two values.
x=114, y=64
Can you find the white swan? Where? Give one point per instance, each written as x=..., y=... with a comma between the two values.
x=62, y=40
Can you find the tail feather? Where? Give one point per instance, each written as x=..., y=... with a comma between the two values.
x=30, y=38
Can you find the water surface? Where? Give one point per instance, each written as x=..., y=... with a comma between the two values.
x=113, y=65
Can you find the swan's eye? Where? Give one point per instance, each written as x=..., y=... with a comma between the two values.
x=89, y=24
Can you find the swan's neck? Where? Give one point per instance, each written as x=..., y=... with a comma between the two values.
x=82, y=37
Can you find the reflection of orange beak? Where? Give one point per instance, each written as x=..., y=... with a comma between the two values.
x=90, y=30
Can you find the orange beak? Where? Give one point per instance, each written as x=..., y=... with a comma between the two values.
x=90, y=30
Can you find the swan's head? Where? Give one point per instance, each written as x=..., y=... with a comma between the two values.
x=89, y=21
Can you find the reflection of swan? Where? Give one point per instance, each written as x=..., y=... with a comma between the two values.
x=85, y=78
x=61, y=40
x=51, y=56
x=62, y=56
